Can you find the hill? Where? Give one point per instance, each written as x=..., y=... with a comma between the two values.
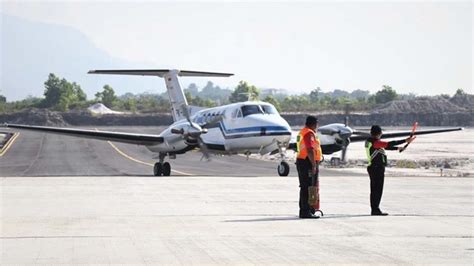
x=32, y=50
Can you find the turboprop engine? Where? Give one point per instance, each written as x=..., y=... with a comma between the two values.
x=191, y=132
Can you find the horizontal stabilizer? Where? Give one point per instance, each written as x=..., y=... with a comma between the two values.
x=159, y=72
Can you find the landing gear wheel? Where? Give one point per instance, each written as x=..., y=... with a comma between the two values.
x=283, y=169
x=158, y=169
x=166, y=169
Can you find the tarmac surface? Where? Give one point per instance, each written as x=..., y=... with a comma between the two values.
x=80, y=201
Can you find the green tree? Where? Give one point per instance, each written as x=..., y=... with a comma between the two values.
x=61, y=94
x=67, y=96
x=52, y=92
x=460, y=92
x=198, y=101
x=3, y=101
x=130, y=104
x=243, y=92
x=295, y=103
x=385, y=95
x=314, y=94
x=78, y=92
x=193, y=89
x=107, y=96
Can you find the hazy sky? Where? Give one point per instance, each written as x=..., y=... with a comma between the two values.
x=422, y=47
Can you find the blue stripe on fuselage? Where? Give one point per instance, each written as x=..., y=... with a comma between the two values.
x=252, y=131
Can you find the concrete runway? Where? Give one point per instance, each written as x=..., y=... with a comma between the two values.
x=74, y=201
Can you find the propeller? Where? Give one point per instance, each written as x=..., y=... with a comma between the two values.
x=346, y=139
x=195, y=131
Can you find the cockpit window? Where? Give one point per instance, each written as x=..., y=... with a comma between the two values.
x=251, y=110
x=269, y=109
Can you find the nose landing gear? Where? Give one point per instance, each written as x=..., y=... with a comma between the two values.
x=283, y=168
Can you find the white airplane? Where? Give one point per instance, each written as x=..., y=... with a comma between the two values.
x=238, y=128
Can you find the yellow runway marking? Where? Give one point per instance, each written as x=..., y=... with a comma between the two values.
x=9, y=144
x=138, y=161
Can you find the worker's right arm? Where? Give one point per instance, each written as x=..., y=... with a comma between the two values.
x=390, y=145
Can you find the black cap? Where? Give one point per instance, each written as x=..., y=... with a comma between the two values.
x=375, y=130
x=311, y=121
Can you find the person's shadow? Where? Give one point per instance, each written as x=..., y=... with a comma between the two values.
x=292, y=218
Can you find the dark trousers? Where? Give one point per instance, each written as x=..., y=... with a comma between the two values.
x=304, y=176
x=377, y=176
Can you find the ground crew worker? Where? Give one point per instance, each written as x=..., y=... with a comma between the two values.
x=375, y=150
x=307, y=163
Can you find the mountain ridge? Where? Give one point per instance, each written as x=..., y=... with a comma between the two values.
x=31, y=50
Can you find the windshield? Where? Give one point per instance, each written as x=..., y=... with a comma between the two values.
x=268, y=109
x=251, y=110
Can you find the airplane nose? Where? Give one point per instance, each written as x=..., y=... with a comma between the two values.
x=272, y=126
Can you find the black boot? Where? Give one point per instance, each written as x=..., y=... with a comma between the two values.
x=378, y=212
x=307, y=215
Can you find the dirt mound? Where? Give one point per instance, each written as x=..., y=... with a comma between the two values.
x=99, y=108
x=419, y=106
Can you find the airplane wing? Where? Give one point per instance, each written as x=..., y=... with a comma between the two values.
x=131, y=138
x=362, y=136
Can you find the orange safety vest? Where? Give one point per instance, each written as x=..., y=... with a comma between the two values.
x=301, y=151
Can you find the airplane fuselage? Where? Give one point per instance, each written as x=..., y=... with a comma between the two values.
x=247, y=127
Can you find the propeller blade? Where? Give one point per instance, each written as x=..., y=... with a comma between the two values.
x=186, y=114
x=204, y=149
x=361, y=133
x=327, y=131
x=344, y=152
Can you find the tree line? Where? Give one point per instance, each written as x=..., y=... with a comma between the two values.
x=62, y=95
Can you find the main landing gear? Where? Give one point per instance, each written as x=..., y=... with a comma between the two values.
x=162, y=168
x=283, y=168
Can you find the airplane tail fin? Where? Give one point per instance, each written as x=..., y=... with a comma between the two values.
x=175, y=92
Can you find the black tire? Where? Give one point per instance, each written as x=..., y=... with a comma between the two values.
x=158, y=169
x=283, y=169
x=166, y=169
